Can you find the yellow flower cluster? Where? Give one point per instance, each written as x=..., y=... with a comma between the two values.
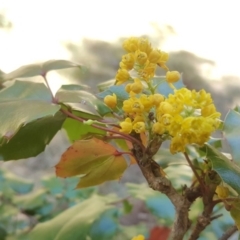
x=185, y=117
x=142, y=58
x=139, y=237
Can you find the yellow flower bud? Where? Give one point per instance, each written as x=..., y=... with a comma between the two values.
x=128, y=87
x=128, y=60
x=162, y=61
x=139, y=127
x=157, y=99
x=158, y=128
x=126, y=126
x=131, y=44
x=154, y=56
x=166, y=119
x=122, y=76
x=141, y=57
x=222, y=192
x=147, y=101
x=137, y=86
x=165, y=107
x=111, y=101
x=172, y=76
x=144, y=45
x=139, y=237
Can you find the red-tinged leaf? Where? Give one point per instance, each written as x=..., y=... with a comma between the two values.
x=96, y=159
x=160, y=233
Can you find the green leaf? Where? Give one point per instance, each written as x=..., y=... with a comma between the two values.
x=27, y=91
x=32, y=139
x=106, y=85
x=18, y=184
x=77, y=130
x=75, y=223
x=16, y=114
x=21, y=103
x=58, y=64
x=215, y=142
x=118, y=90
x=231, y=131
x=85, y=99
x=235, y=213
x=31, y=200
x=226, y=169
x=74, y=87
x=164, y=88
x=97, y=160
x=37, y=69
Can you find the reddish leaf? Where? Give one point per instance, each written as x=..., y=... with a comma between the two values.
x=97, y=160
x=159, y=233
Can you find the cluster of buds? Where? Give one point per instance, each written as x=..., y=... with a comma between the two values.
x=184, y=117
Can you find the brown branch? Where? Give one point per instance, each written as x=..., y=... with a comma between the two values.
x=195, y=172
x=229, y=233
x=205, y=219
x=157, y=181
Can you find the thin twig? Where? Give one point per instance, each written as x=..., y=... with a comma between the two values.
x=126, y=136
x=229, y=233
x=195, y=172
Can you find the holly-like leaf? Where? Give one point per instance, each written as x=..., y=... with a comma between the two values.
x=231, y=131
x=22, y=103
x=15, y=114
x=39, y=69
x=26, y=90
x=97, y=160
x=228, y=170
x=118, y=90
x=77, y=130
x=235, y=213
x=106, y=85
x=77, y=222
x=84, y=98
x=32, y=138
x=164, y=88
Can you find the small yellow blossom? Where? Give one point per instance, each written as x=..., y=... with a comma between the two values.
x=127, y=61
x=147, y=72
x=172, y=76
x=139, y=127
x=122, y=76
x=133, y=105
x=147, y=101
x=162, y=61
x=157, y=99
x=111, y=101
x=126, y=126
x=131, y=44
x=158, y=128
x=137, y=86
x=128, y=87
x=139, y=237
x=144, y=45
x=165, y=107
x=141, y=57
x=222, y=191
x=154, y=56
